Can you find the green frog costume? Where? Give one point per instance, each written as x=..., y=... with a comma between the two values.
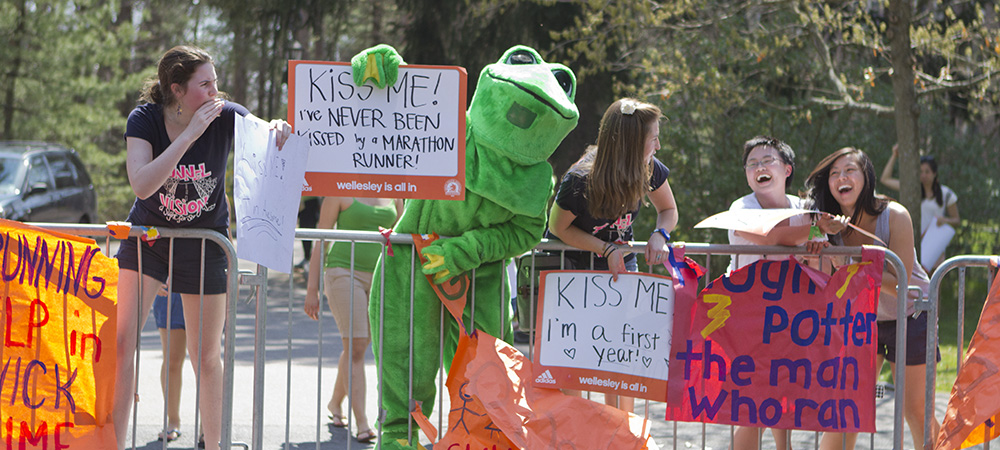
x=521, y=110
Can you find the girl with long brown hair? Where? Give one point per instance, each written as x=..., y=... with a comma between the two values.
x=600, y=195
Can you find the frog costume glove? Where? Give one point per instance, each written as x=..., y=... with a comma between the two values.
x=521, y=110
x=379, y=64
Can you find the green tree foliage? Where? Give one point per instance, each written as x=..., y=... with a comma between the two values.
x=473, y=34
x=816, y=74
x=65, y=81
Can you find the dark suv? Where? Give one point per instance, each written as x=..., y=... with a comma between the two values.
x=41, y=182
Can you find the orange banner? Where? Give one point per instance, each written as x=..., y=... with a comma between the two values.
x=495, y=406
x=973, y=409
x=454, y=292
x=58, y=324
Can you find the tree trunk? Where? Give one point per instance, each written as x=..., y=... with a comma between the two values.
x=906, y=109
x=239, y=84
x=377, y=35
x=14, y=72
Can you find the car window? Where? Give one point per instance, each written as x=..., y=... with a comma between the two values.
x=62, y=170
x=9, y=167
x=38, y=172
x=82, y=178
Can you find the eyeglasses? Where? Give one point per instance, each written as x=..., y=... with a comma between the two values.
x=753, y=164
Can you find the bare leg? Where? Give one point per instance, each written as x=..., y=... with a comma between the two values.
x=746, y=438
x=838, y=441
x=914, y=402
x=339, y=387
x=171, y=372
x=132, y=314
x=358, y=383
x=782, y=439
x=207, y=359
x=621, y=402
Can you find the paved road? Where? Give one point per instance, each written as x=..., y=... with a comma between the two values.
x=299, y=375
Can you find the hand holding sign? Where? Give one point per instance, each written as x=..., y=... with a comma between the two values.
x=761, y=221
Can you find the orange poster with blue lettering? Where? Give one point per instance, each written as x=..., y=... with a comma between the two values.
x=57, y=362
x=972, y=415
x=778, y=344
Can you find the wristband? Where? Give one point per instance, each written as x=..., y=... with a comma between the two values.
x=666, y=236
x=814, y=232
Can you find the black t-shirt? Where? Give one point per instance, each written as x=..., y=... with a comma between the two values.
x=195, y=193
x=571, y=197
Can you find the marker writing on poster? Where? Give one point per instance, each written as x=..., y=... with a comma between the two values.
x=591, y=321
x=771, y=344
x=367, y=130
x=50, y=286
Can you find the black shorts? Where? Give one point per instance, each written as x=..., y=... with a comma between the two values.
x=186, y=275
x=916, y=340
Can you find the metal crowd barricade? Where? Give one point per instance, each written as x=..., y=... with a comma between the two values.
x=100, y=232
x=264, y=413
x=961, y=263
x=708, y=251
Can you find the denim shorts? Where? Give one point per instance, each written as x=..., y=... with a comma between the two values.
x=176, y=311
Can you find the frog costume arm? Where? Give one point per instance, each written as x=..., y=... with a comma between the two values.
x=460, y=254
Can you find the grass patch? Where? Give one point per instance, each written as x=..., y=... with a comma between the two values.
x=976, y=290
x=948, y=324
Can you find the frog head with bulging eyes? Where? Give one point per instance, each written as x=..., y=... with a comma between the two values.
x=523, y=106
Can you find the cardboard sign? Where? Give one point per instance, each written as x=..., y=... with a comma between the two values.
x=264, y=178
x=59, y=326
x=756, y=221
x=778, y=344
x=601, y=335
x=404, y=141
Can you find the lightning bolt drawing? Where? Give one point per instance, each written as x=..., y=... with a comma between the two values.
x=719, y=314
x=851, y=270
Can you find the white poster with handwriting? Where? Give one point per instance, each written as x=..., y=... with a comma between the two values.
x=404, y=141
x=597, y=334
x=267, y=187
